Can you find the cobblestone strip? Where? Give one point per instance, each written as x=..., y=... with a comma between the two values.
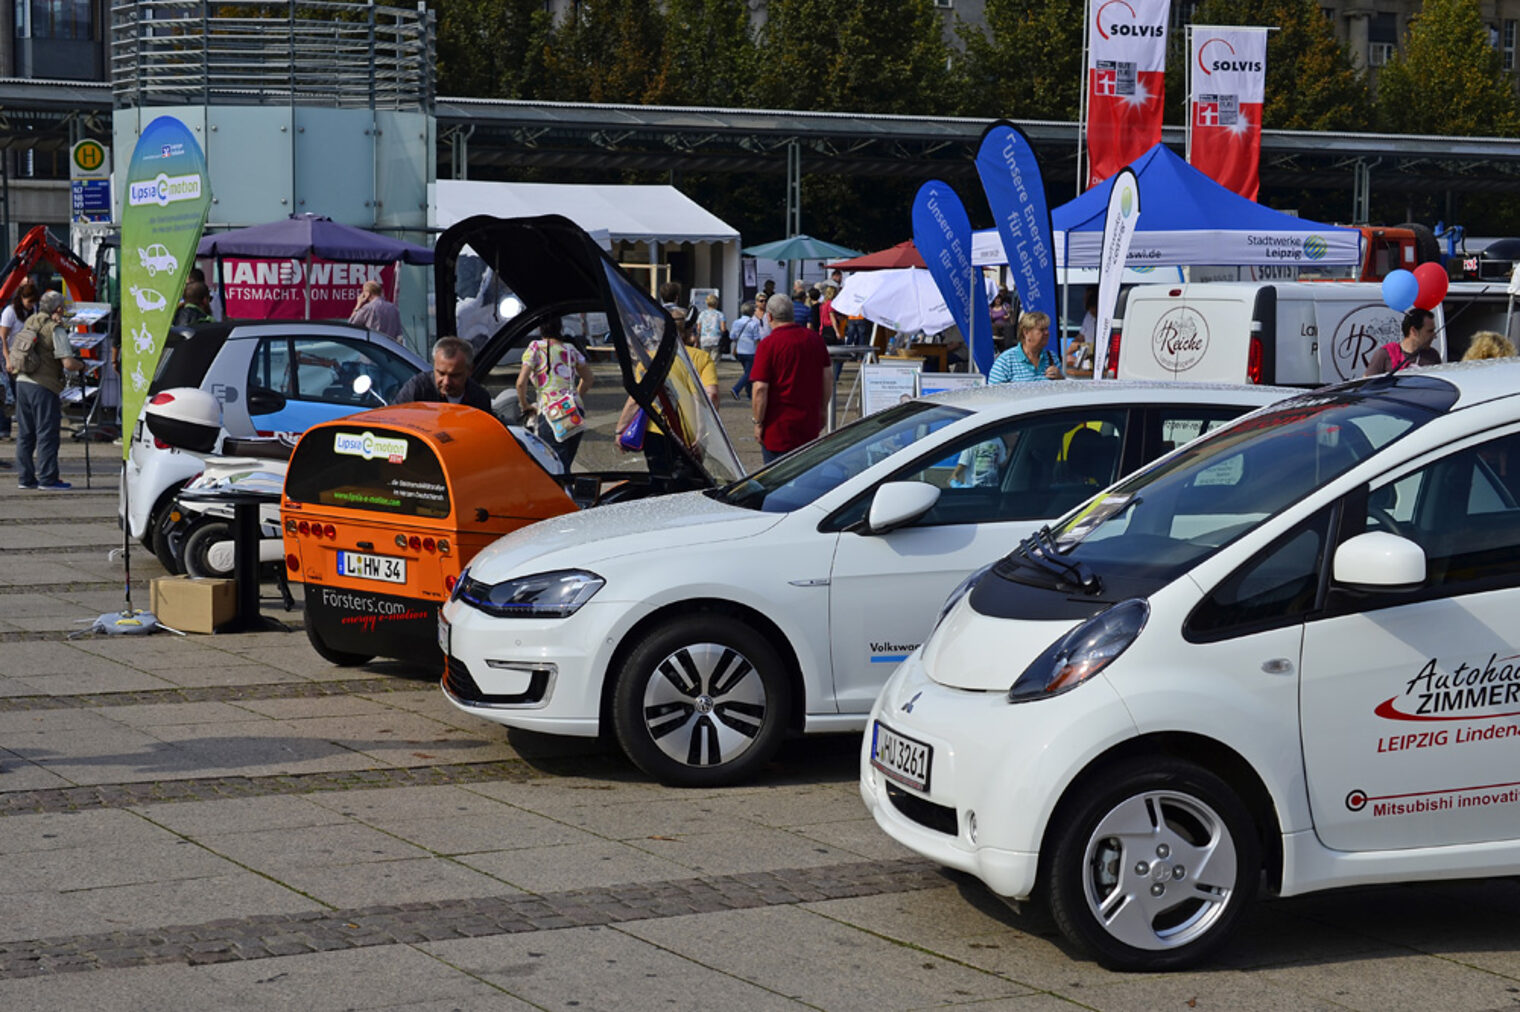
x=153, y=792
x=270, y=935
x=216, y=694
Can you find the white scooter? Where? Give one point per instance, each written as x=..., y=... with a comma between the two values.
x=201, y=533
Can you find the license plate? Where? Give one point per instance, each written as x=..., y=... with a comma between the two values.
x=901, y=758
x=372, y=567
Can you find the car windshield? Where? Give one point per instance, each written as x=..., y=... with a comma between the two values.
x=1163, y=520
x=822, y=466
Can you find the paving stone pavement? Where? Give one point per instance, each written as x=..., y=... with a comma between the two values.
x=230, y=822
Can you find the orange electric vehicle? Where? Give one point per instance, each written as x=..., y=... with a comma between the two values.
x=382, y=510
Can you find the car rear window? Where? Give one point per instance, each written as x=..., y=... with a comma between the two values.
x=187, y=357
x=373, y=469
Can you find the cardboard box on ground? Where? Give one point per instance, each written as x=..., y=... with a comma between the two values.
x=192, y=605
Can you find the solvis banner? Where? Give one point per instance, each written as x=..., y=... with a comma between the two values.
x=1229, y=73
x=942, y=233
x=167, y=195
x=1015, y=190
x=1126, y=79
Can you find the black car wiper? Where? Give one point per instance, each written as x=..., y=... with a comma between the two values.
x=1041, y=552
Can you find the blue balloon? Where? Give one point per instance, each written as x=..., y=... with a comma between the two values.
x=1400, y=288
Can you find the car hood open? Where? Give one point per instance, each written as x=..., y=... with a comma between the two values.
x=554, y=268
x=662, y=524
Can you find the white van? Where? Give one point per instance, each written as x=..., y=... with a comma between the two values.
x=1299, y=333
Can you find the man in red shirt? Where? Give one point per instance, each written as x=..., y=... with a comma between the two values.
x=793, y=383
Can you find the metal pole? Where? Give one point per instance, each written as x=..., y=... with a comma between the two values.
x=1083, y=102
x=1187, y=95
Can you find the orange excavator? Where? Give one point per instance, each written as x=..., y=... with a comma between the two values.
x=39, y=247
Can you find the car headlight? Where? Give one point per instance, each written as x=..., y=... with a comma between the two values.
x=1082, y=653
x=961, y=590
x=542, y=595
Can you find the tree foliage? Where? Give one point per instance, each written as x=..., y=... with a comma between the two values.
x=491, y=48
x=1446, y=78
x=1027, y=65
x=607, y=51
x=708, y=54
x=1311, y=82
x=888, y=56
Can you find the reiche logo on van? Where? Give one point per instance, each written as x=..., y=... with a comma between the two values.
x=1180, y=340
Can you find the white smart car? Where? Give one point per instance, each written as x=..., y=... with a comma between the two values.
x=703, y=628
x=1287, y=654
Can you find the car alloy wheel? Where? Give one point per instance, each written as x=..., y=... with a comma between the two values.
x=702, y=702
x=1152, y=869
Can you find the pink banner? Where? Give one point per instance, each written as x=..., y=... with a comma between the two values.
x=1126, y=78
x=276, y=290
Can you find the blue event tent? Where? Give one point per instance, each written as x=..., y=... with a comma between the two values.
x=1187, y=219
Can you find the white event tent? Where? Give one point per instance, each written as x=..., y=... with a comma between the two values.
x=642, y=223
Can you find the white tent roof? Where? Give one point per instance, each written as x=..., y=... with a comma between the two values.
x=626, y=213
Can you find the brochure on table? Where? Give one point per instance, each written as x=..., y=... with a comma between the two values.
x=885, y=384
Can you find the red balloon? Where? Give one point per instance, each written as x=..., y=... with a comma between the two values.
x=1433, y=283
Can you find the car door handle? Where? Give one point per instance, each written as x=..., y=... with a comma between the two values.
x=819, y=581
x=1277, y=666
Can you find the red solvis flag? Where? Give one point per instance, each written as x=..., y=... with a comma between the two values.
x=1224, y=112
x=1126, y=76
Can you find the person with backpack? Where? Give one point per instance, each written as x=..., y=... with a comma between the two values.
x=16, y=311
x=39, y=355
x=1414, y=348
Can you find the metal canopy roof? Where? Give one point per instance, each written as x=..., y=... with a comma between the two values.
x=496, y=136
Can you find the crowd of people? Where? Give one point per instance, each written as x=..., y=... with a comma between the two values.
x=780, y=342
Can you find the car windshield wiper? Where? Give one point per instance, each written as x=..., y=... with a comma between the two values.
x=1039, y=549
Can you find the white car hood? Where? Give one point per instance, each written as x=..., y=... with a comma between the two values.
x=658, y=524
x=985, y=654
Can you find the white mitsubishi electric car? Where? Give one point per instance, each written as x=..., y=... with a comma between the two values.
x=703, y=628
x=1287, y=654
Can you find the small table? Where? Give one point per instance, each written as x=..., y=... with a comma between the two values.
x=245, y=566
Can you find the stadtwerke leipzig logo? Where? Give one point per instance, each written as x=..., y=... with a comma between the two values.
x=1315, y=248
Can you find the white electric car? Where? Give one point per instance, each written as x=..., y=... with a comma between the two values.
x=1285, y=654
x=702, y=628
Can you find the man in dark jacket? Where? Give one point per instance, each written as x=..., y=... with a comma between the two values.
x=449, y=381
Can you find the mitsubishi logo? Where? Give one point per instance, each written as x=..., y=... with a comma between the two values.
x=908, y=706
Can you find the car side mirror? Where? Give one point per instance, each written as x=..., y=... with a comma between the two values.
x=1377, y=561
x=264, y=401
x=898, y=503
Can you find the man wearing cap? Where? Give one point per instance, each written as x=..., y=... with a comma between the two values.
x=39, y=412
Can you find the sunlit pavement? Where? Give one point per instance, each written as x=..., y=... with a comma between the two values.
x=229, y=821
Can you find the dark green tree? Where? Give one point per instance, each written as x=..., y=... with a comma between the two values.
x=1027, y=65
x=1446, y=78
x=491, y=48
x=708, y=56
x=888, y=56
x=605, y=51
x=1311, y=82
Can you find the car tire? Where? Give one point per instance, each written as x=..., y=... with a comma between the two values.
x=1151, y=868
x=341, y=658
x=168, y=543
x=198, y=544
x=702, y=701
